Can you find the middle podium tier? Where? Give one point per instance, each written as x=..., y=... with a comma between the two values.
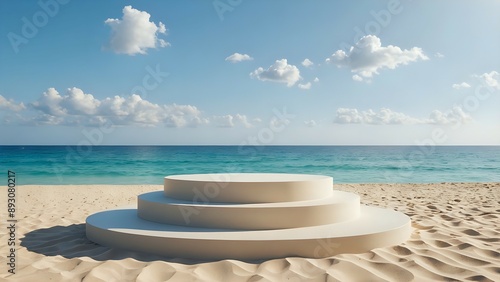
x=337, y=207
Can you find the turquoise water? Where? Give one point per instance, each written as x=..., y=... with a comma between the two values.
x=346, y=164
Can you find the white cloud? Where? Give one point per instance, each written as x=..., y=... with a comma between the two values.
x=134, y=110
x=198, y=120
x=11, y=105
x=223, y=121
x=453, y=116
x=76, y=107
x=310, y=123
x=316, y=79
x=387, y=116
x=237, y=57
x=231, y=121
x=305, y=86
x=357, y=78
x=459, y=86
x=78, y=102
x=307, y=63
x=280, y=71
x=368, y=56
x=243, y=120
x=49, y=103
x=134, y=33
x=491, y=79
x=438, y=55
x=384, y=116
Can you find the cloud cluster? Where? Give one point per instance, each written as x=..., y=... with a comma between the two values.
x=368, y=56
x=10, y=105
x=491, y=79
x=237, y=57
x=280, y=71
x=384, y=116
x=387, y=116
x=455, y=115
x=75, y=102
x=134, y=33
x=77, y=107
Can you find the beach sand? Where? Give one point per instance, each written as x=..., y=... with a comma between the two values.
x=456, y=236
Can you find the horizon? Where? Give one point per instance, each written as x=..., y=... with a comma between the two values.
x=229, y=145
x=370, y=73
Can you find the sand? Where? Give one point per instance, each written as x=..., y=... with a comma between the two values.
x=456, y=236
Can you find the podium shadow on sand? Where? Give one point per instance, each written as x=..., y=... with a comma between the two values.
x=71, y=242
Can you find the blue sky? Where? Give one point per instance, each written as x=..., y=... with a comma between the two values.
x=250, y=72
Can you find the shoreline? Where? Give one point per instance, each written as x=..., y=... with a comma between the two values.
x=456, y=236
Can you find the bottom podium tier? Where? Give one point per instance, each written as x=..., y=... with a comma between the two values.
x=374, y=228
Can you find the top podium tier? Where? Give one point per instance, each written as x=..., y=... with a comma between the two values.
x=247, y=188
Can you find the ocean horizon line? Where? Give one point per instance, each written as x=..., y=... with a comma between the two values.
x=256, y=145
x=148, y=164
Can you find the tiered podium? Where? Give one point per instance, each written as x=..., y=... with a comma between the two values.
x=248, y=216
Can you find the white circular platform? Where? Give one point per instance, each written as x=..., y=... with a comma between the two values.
x=218, y=216
x=375, y=228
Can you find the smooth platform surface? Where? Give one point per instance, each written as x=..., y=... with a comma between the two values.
x=247, y=188
x=375, y=227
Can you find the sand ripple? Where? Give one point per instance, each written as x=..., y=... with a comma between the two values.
x=456, y=237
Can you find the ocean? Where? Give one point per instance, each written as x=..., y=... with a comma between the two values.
x=346, y=164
